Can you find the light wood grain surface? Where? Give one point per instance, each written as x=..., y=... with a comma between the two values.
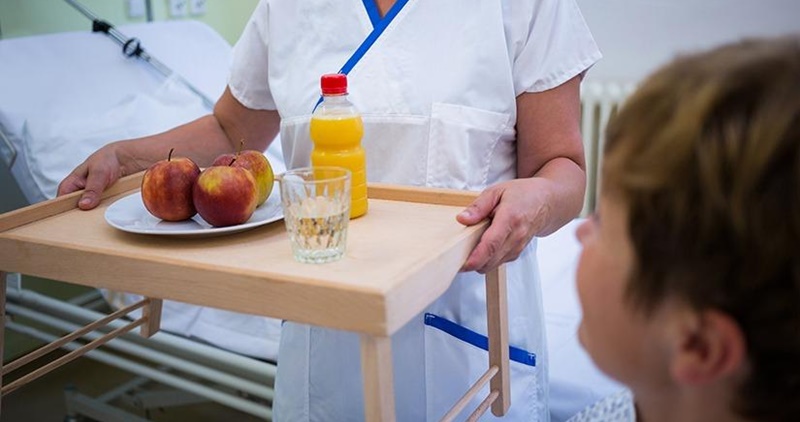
x=400, y=257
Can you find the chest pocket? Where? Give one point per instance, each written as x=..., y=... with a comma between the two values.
x=397, y=148
x=456, y=147
x=469, y=147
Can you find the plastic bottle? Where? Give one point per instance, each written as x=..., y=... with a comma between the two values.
x=336, y=131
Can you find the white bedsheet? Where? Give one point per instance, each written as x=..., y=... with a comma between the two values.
x=64, y=95
x=575, y=381
x=74, y=79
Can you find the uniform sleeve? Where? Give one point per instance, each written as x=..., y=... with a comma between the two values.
x=249, y=76
x=549, y=43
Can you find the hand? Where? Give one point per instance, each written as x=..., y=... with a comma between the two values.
x=94, y=175
x=518, y=211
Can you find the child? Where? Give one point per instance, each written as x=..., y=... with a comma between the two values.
x=690, y=273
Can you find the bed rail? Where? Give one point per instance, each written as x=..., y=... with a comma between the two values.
x=131, y=47
x=9, y=151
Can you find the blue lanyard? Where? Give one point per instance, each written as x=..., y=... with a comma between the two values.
x=379, y=25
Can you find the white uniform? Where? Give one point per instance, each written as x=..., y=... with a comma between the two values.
x=437, y=91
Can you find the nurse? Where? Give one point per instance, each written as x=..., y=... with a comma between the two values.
x=467, y=94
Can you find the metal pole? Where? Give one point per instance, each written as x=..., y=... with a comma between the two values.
x=148, y=7
x=132, y=47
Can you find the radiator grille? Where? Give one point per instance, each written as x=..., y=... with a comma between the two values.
x=599, y=101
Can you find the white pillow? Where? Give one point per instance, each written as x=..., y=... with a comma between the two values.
x=54, y=147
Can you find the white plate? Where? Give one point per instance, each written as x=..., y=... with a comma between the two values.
x=129, y=214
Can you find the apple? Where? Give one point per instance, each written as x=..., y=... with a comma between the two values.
x=257, y=163
x=225, y=195
x=167, y=188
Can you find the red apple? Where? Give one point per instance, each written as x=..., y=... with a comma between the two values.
x=224, y=159
x=225, y=195
x=257, y=163
x=167, y=188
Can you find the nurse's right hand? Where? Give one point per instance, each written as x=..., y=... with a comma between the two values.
x=94, y=175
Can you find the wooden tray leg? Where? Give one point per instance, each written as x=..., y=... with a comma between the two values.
x=151, y=313
x=376, y=365
x=497, y=314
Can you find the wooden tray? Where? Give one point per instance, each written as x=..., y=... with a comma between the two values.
x=400, y=257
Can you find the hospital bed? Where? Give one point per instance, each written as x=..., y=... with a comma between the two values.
x=64, y=95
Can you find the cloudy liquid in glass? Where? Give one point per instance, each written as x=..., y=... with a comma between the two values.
x=317, y=229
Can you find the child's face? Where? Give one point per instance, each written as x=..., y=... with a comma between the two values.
x=621, y=341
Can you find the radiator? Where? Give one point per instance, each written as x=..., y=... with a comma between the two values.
x=599, y=102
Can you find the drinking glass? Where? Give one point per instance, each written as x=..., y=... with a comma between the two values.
x=316, y=210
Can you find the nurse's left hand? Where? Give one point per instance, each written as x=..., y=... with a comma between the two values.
x=517, y=209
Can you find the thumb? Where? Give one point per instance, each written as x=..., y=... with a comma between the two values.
x=89, y=199
x=95, y=185
x=480, y=209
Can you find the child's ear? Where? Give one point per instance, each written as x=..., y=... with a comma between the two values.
x=707, y=346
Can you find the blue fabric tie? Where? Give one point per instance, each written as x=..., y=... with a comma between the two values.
x=379, y=25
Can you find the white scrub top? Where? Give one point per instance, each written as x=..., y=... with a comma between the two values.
x=437, y=92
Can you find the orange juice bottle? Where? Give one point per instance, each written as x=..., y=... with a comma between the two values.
x=336, y=131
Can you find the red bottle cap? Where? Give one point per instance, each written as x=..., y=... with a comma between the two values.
x=334, y=84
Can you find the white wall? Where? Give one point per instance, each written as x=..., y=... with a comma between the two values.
x=636, y=36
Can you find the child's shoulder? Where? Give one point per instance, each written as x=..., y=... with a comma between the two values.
x=617, y=407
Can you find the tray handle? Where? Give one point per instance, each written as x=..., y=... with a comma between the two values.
x=425, y=195
x=61, y=204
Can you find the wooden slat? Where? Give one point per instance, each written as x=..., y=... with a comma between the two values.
x=47, y=348
x=376, y=366
x=464, y=400
x=69, y=357
x=425, y=195
x=61, y=204
x=497, y=314
x=481, y=409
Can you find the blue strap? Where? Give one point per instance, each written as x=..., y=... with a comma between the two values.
x=373, y=12
x=379, y=25
x=478, y=340
x=378, y=29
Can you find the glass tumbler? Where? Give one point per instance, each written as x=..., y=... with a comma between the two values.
x=316, y=210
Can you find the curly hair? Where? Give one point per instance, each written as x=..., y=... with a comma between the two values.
x=706, y=157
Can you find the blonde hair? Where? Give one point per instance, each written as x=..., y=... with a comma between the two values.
x=706, y=157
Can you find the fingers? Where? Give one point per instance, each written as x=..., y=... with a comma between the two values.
x=504, y=239
x=74, y=182
x=488, y=247
x=93, y=179
x=481, y=208
x=96, y=183
x=500, y=243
